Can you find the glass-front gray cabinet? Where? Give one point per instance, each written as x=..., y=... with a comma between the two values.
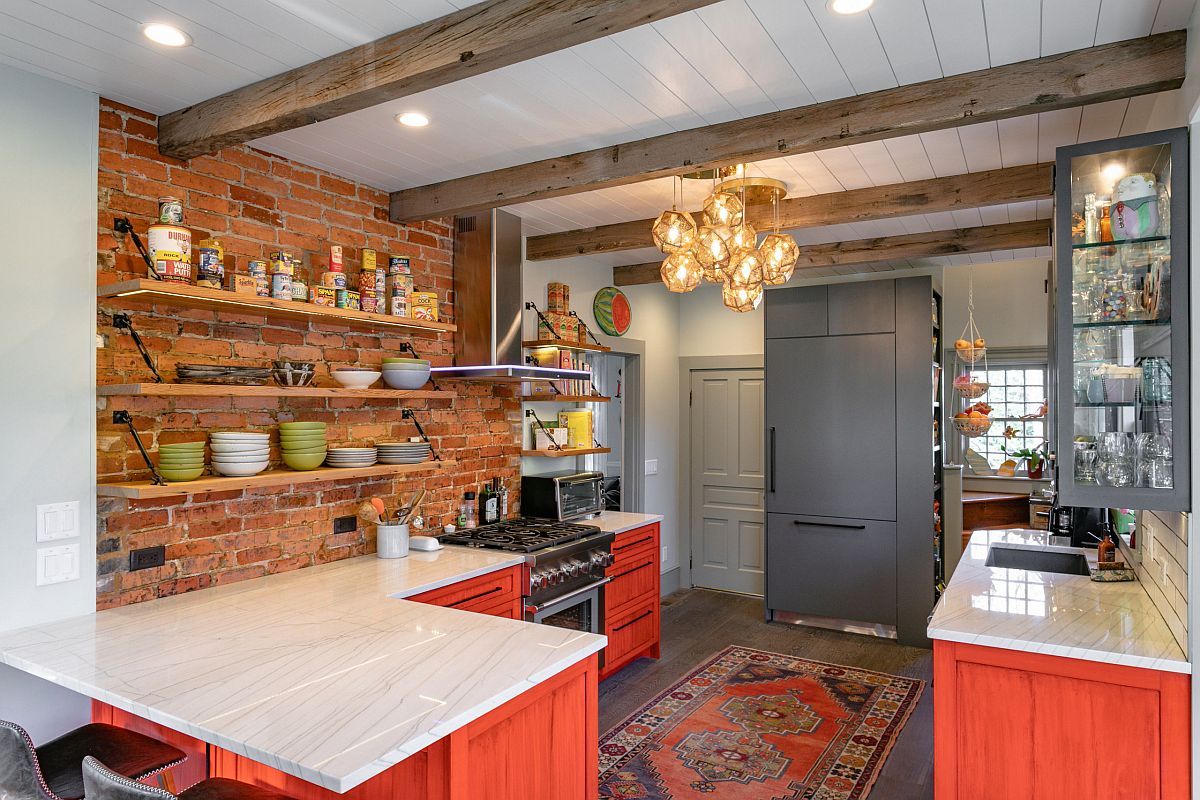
x=1121, y=345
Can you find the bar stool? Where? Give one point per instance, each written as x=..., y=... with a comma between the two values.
x=54, y=771
x=102, y=783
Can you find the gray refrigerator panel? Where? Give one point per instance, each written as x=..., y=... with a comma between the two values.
x=796, y=312
x=867, y=307
x=831, y=426
x=840, y=568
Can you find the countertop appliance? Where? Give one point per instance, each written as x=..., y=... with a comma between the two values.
x=563, y=495
x=563, y=578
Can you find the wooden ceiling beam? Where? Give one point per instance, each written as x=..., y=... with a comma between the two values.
x=468, y=42
x=1094, y=75
x=952, y=193
x=961, y=241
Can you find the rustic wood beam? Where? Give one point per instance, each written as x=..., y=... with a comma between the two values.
x=961, y=241
x=471, y=41
x=1094, y=75
x=992, y=187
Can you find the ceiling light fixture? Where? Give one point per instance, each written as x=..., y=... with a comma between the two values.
x=1113, y=172
x=413, y=119
x=167, y=35
x=849, y=6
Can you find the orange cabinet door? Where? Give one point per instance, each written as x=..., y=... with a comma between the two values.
x=497, y=593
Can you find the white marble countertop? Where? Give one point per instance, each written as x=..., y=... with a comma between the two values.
x=1052, y=613
x=621, y=521
x=316, y=672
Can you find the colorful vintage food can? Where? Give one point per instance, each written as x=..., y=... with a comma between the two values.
x=170, y=211
x=335, y=258
x=381, y=281
x=368, y=260
x=398, y=265
x=425, y=306
x=333, y=280
x=171, y=251
x=256, y=268
x=281, y=267
x=399, y=285
x=324, y=296
x=366, y=283
x=284, y=256
x=398, y=305
x=299, y=290
x=346, y=298
x=243, y=284
x=210, y=264
x=370, y=304
x=281, y=286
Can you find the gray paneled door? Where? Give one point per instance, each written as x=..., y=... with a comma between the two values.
x=726, y=474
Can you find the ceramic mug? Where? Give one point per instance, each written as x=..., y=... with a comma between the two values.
x=392, y=541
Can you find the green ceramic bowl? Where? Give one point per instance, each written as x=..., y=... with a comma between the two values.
x=317, y=448
x=288, y=443
x=302, y=426
x=406, y=361
x=179, y=475
x=182, y=447
x=304, y=461
x=188, y=461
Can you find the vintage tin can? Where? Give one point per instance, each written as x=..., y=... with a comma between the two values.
x=210, y=264
x=170, y=249
x=424, y=306
x=299, y=290
x=398, y=265
x=368, y=260
x=346, y=298
x=366, y=283
x=369, y=304
x=281, y=267
x=381, y=281
x=262, y=285
x=243, y=284
x=333, y=280
x=256, y=268
x=399, y=285
x=335, y=258
x=284, y=256
x=170, y=211
x=281, y=286
x=398, y=305
x=324, y=296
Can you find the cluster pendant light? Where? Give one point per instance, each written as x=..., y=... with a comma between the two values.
x=724, y=248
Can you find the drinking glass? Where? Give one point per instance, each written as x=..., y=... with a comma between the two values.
x=1161, y=463
x=1143, y=455
x=1116, y=458
x=1085, y=462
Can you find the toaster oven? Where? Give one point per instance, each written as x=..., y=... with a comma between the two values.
x=562, y=495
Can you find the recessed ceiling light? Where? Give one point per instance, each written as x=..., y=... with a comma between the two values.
x=167, y=35
x=413, y=119
x=849, y=6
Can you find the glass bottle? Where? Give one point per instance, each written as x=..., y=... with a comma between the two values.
x=467, y=513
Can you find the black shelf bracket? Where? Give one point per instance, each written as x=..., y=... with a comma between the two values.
x=122, y=322
x=125, y=418
x=121, y=227
x=408, y=414
x=529, y=412
x=406, y=347
x=585, y=327
x=530, y=305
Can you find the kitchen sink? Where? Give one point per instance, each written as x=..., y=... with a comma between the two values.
x=1037, y=560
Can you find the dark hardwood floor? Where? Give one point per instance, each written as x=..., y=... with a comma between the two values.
x=698, y=623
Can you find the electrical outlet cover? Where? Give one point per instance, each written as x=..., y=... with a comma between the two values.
x=147, y=557
x=345, y=524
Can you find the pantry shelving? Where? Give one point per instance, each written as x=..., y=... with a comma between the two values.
x=563, y=344
x=141, y=490
x=566, y=398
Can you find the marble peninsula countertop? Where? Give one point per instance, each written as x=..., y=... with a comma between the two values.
x=1052, y=613
x=320, y=673
x=621, y=521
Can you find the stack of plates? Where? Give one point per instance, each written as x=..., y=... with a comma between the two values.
x=181, y=462
x=351, y=456
x=218, y=374
x=303, y=444
x=240, y=454
x=403, y=452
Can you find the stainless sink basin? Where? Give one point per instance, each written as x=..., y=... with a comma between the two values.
x=1037, y=560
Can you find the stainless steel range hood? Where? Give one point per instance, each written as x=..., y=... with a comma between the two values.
x=488, y=304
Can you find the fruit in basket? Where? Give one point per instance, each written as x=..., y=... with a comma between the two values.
x=962, y=344
x=977, y=415
x=983, y=408
x=980, y=343
x=962, y=415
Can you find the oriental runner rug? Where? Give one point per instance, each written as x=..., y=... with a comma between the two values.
x=752, y=725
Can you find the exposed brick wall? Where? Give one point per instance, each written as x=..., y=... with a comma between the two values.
x=255, y=203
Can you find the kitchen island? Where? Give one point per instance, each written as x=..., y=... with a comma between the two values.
x=321, y=682
x=1078, y=688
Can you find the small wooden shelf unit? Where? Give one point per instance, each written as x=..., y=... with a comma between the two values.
x=566, y=398
x=566, y=452
x=563, y=344
x=140, y=490
x=145, y=290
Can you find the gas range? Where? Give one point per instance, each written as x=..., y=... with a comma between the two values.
x=564, y=566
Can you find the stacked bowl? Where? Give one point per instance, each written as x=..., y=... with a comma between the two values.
x=405, y=373
x=403, y=452
x=181, y=462
x=355, y=377
x=351, y=456
x=303, y=444
x=240, y=454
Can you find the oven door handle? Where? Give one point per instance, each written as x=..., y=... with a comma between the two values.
x=568, y=596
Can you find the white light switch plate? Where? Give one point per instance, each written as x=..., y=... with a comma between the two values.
x=652, y=466
x=57, y=521
x=57, y=564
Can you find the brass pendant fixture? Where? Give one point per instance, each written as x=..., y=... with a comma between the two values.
x=723, y=208
x=681, y=272
x=779, y=253
x=674, y=231
x=741, y=300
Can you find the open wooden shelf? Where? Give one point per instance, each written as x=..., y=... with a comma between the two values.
x=145, y=290
x=566, y=398
x=138, y=490
x=270, y=390
x=566, y=452
x=563, y=344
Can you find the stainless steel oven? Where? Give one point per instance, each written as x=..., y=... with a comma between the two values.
x=579, y=610
x=562, y=495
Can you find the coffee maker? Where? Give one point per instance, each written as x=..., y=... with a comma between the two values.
x=1081, y=524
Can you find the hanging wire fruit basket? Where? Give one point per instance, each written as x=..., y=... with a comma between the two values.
x=973, y=427
x=968, y=387
x=971, y=349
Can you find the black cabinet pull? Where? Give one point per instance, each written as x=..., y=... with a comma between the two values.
x=639, y=617
x=493, y=590
x=772, y=447
x=831, y=525
x=628, y=545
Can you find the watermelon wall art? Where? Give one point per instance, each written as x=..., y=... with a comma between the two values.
x=612, y=311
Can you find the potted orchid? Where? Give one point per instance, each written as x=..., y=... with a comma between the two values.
x=1034, y=457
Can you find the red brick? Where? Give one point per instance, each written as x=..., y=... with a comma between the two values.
x=338, y=186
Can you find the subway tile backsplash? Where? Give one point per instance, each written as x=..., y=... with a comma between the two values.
x=1162, y=566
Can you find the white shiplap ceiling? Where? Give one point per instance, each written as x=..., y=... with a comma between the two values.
x=733, y=59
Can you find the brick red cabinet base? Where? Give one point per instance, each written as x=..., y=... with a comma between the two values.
x=542, y=745
x=1011, y=725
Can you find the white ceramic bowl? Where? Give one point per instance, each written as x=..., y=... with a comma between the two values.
x=356, y=379
x=406, y=379
x=223, y=447
x=240, y=470
x=238, y=436
x=240, y=459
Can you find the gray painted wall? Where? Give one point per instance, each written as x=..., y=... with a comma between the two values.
x=48, y=135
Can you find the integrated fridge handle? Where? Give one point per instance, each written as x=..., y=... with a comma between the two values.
x=772, y=458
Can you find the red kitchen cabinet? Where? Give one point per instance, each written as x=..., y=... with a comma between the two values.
x=1011, y=724
x=631, y=599
x=497, y=593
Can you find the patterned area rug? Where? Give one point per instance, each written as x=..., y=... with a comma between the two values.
x=752, y=725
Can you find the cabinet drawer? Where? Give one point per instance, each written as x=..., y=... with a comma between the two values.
x=629, y=543
x=476, y=593
x=632, y=582
x=630, y=632
x=832, y=567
